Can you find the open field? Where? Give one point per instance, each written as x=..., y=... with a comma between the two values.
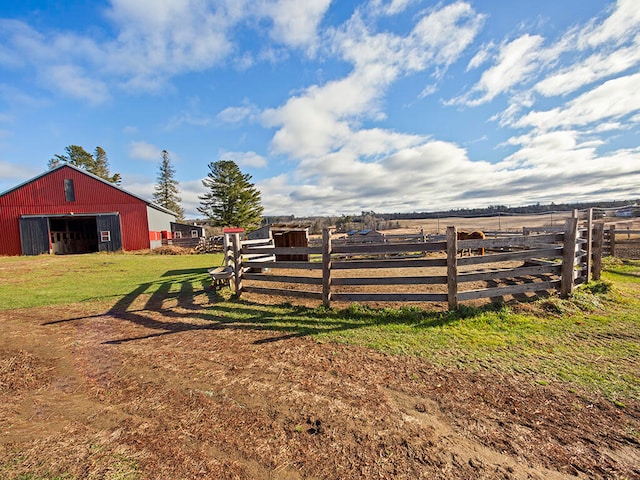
x=512, y=223
x=126, y=366
x=503, y=223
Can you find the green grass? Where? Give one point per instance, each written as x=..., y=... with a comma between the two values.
x=54, y=280
x=590, y=340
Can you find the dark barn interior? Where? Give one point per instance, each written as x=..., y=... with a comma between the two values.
x=73, y=235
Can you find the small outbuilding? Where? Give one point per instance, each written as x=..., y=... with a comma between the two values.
x=285, y=235
x=184, y=230
x=68, y=210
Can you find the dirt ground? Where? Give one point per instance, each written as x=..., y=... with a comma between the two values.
x=167, y=391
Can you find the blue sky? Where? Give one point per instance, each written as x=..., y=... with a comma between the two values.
x=332, y=107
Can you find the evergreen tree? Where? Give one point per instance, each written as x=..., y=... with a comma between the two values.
x=231, y=199
x=166, y=193
x=97, y=164
x=101, y=167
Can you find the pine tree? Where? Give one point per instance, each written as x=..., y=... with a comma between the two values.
x=231, y=200
x=97, y=164
x=101, y=167
x=166, y=193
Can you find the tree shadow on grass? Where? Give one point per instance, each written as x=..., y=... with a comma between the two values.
x=169, y=307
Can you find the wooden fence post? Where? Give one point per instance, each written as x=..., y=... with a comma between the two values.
x=226, y=246
x=612, y=240
x=589, y=244
x=326, y=267
x=568, y=256
x=598, y=245
x=452, y=267
x=237, y=258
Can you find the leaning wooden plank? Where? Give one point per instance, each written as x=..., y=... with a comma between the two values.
x=388, y=297
x=258, y=241
x=253, y=256
x=260, y=277
x=510, y=273
x=362, y=264
x=282, y=250
x=508, y=290
x=541, y=261
x=288, y=265
x=283, y=292
x=434, y=280
x=508, y=256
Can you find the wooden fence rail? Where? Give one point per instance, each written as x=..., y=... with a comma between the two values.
x=420, y=270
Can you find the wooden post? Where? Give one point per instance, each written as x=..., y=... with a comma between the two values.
x=589, y=244
x=452, y=267
x=598, y=245
x=612, y=240
x=326, y=267
x=568, y=256
x=237, y=258
x=226, y=246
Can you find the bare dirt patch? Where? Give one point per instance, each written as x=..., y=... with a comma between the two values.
x=166, y=393
x=628, y=249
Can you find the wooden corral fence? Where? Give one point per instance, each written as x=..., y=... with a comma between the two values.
x=187, y=242
x=420, y=271
x=200, y=244
x=620, y=234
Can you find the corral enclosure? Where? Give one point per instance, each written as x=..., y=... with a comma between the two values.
x=426, y=267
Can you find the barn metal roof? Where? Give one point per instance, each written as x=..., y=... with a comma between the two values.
x=95, y=177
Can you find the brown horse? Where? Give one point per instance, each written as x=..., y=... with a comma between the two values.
x=476, y=235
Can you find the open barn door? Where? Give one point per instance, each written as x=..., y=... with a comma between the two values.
x=109, y=232
x=34, y=235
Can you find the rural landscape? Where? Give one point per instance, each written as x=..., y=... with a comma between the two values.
x=130, y=366
x=319, y=240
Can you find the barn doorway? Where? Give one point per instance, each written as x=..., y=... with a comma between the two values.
x=71, y=235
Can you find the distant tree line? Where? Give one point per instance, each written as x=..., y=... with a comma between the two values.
x=494, y=210
x=370, y=220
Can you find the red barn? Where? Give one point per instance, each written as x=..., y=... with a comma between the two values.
x=68, y=210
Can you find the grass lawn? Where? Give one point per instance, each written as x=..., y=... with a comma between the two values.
x=590, y=340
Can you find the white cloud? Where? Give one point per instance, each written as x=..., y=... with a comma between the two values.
x=514, y=63
x=428, y=90
x=484, y=54
x=12, y=171
x=244, y=159
x=188, y=118
x=145, y=151
x=623, y=22
x=325, y=118
x=238, y=114
x=397, y=6
x=295, y=23
x=73, y=81
x=611, y=100
x=596, y=67
x=154, y=41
